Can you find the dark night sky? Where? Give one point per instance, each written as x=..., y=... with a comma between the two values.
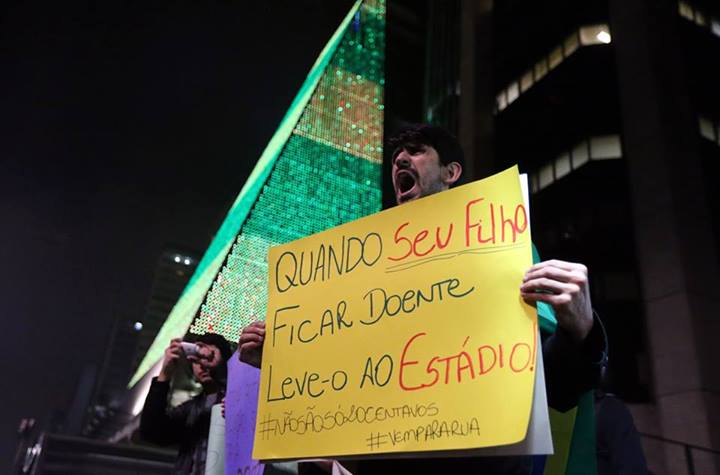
x=125, y=127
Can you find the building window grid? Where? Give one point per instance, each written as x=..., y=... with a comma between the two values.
x=580, y=154
x=441, y=109
x=584, y=36
x=555, y=57
x=526, y=81
x=715, y=26
x=513, y=92
x=541, y=69
x=686, y=11
x=709, y=129
x=571, y=160
x=699, y=17
x=571, y=43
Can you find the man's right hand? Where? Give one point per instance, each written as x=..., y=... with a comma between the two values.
x=170, y=362
x=251, y=343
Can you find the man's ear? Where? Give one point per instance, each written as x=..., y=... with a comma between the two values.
x=453, y=171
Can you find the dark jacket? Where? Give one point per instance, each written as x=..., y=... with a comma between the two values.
x=619, y=451
x=186, y=425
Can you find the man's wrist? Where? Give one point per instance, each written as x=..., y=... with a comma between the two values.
x=581, y=329
x=593, y=346
x=163, y=377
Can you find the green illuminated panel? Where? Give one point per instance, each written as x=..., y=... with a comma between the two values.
x=321, y=169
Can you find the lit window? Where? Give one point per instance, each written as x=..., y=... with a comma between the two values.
x=562, y=165
x=555, y=57
x=571, y=44
x=595, y=35
x=604, y=37
x=513, y=91
x=526, y=81
x=707, y=129
x=546, y=176
x=685, y=10
x=715, y=26
x=605, y=148
x=541, y=69
x=700, y=18
x=580, y=155
x=501, y=101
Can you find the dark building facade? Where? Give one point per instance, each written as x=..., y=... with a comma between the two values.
x=172, y=272
x=612, y=109
x=128, y=342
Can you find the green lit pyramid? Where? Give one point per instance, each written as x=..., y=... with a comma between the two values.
x=321, y=168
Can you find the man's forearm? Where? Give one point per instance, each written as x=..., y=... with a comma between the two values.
x=155, y=424
x=573, y=367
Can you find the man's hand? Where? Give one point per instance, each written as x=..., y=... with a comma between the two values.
x=250, y=344
x=172, y=356
x=564, y=285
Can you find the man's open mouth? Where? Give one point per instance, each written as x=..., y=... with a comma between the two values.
x=405, y=182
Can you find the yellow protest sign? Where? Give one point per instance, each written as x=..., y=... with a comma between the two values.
x=402, y=331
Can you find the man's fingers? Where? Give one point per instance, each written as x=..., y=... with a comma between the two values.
x=545, y=285
x=247, y=337
x=552, y=299
x=251, y=342
x=551, y=272
x=249, y=346
x=253, y=334
x=256, y=329
x=564, y=265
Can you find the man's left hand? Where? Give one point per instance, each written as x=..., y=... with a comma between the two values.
x=564, y=285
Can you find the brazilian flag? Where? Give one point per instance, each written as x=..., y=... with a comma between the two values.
x=573, y=431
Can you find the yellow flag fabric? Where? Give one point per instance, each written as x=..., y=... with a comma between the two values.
x=403, y=331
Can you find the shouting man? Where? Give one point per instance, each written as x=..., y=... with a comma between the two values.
x=427, y=160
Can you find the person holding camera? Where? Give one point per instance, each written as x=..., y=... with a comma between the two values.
x=187, y=425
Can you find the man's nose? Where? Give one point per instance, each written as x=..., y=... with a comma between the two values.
x=402, y=160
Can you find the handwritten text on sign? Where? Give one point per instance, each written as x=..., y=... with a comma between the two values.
x=402, y=331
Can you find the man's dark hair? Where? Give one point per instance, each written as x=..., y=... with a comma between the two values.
x=219, y=341
x=446, y=145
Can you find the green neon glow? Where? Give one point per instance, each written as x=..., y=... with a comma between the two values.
x=321, y=168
